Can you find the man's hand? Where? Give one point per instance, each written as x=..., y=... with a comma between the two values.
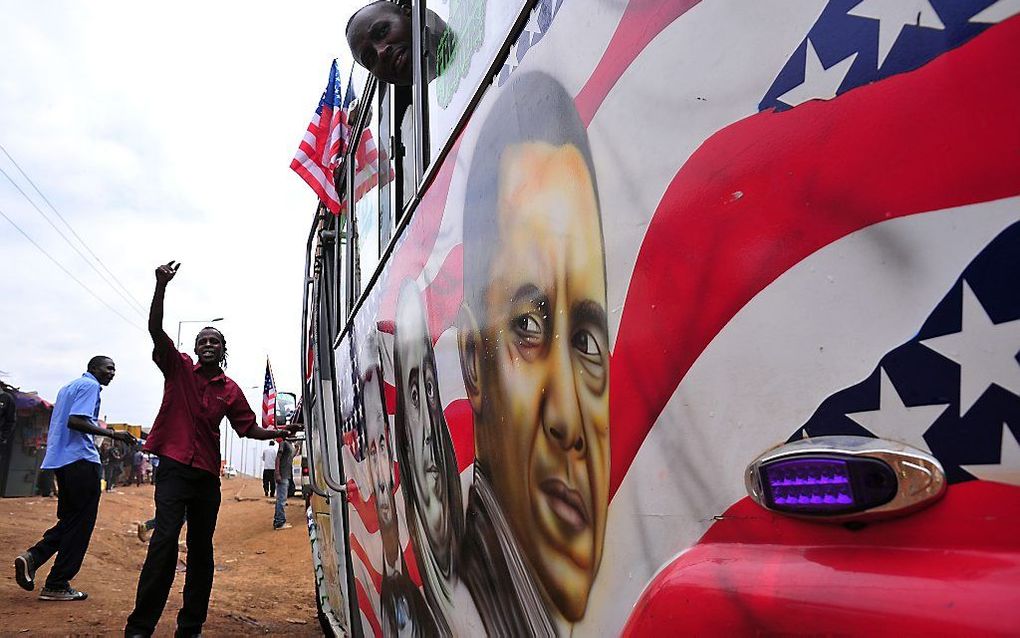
x=166, y=272
x=125, y=437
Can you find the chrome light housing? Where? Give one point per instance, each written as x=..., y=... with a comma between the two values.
x=844, y=478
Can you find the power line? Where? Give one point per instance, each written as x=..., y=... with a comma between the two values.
x=69, y=243
x=132, y=301
x=68, y=273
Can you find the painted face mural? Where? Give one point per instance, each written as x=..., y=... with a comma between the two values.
x=424, y=446
x=535, y=344
x=380, y=457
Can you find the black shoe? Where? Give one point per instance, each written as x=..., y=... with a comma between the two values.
x=70, y=593
x=24, y=571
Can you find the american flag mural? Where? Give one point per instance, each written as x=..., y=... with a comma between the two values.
x=810, y=219
x=954, y=388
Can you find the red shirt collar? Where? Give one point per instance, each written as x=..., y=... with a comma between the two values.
x=219, y=376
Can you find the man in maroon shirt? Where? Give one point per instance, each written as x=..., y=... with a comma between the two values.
x=186, y=437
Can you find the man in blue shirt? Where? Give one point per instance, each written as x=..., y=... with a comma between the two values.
x=71, y=454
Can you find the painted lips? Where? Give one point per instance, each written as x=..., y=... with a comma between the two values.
x=567, y=504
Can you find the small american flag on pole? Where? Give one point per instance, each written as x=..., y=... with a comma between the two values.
x=269, y=399
x=325, y=142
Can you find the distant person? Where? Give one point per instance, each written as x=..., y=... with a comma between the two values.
x=104, y=459
x=71, y=454
x=185, y=435
x=281, y=470
x=115, y=466
x=269, y=469
x=137, y=461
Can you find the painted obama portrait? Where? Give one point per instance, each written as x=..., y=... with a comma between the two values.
x=533, y=343
x=428, y=465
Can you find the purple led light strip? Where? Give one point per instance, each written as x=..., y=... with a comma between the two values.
x=810, y=483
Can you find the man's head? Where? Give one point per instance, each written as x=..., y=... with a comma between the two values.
x=379, y=35
x=424, y=448
x=102, y=368
x=211, y=347
x=533, y=332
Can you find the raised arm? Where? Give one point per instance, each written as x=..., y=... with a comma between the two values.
x=163, y=276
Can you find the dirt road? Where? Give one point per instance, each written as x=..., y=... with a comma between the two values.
x=263, y=583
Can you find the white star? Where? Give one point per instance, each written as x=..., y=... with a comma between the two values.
x=1007, y=470
x=892, y=16
x=997, y=12
x=986, y=351
x=894, y=420
x=819, y=82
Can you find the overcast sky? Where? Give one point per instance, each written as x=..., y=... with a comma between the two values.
x=159, y=131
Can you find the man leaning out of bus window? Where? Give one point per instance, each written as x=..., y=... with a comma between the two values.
x=380, y=36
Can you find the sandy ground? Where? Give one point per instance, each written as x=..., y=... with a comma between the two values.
x=263, y=583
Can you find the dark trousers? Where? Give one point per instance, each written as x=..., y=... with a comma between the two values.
x=113, y=472
x=180, y=490
x=77, y=506
x=269, y=482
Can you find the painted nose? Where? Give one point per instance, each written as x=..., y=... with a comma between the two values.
x=561, y=410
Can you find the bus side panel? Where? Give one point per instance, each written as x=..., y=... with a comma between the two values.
x=758, y=573
x=661, y=246
x=329, y=580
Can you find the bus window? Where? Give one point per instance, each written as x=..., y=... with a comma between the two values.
x=365, y=194
x=405, y=147
x=387, y=163
x=340, y=273
x=462, y=38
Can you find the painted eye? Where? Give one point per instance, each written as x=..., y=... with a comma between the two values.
x=430, y=388
x=527, y=325
x=586, y=344
x=414, y=395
